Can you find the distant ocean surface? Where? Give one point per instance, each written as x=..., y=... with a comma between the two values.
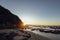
x=48, y=35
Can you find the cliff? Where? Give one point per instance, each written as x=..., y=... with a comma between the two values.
x=9, y=20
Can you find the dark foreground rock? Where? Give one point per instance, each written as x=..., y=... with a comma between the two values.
x=13, y=34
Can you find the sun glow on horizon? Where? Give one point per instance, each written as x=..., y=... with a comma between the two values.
x=27, y=20
x=32, y=21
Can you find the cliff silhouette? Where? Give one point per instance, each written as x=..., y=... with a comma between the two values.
x=9, y=20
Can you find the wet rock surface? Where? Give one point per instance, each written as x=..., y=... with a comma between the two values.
x=14, y=35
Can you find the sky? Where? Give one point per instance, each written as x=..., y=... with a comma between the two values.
x=40, y=12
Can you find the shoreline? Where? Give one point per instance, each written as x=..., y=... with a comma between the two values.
x=37, y=37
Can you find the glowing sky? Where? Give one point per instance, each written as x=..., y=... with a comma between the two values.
x=43, y=12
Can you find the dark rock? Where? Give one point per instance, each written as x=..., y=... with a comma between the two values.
x=9, y=20
x=12, y=35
